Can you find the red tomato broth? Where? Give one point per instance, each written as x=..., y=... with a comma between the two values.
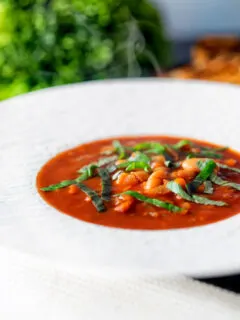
x=64, y=166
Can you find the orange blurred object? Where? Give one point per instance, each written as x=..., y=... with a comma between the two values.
x=213, y=58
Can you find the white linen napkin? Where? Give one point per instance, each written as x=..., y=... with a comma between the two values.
x=32, y=288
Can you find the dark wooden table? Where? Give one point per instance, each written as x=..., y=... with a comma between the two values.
x=181, y=55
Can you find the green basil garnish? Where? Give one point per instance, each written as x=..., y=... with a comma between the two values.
x=150, y=147
x=104, y=161
x=206, y=169
x=208, y=187
x=154, y=202
x=62, y=184
x=181, y=144
x=219, y=181
x=140, y=157
x=120, y=149
x=106, y=183
x=96, y=200
x=177, y=189
x=204, y=154
x=133, y=165
x=224, y=166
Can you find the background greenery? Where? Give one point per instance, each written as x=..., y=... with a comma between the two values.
x=52, y=42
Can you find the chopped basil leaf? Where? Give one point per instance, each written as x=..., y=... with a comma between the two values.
x=155, y=150
x=181, y=144
x=104, y=161
x=208, y=202
x=224, y=166
x=170, y=153
x=168, y=157
x=119, y=149
x=138, y=165
x=106, y=184
x=140, y=157
x=220, y=149
x=62, y=184
x=142, y=146
x=177, y=189
x=111, y=168
x=151, y=147
x=96, y=200
x=154, y=202
x=204, y=154
x=208, y=187
x=86, y=173
x=138, y=161
x=219, y=181
x=84, y=176
x=206, y=169
x=88, y=170
x=133, y=165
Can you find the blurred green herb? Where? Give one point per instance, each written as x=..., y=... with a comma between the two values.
x=53, y=42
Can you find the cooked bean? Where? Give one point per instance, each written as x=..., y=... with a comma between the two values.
x=156, y=178
x=141, y=175
x=127, y=179
x=123, y=203
x=181, y=182
x=156, y=191
x=191, y=164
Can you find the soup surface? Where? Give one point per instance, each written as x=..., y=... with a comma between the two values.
x=150, y=182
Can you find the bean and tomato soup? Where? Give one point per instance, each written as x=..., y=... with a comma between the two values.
x=148, y=183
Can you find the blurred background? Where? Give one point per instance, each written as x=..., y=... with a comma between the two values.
x=45, y=43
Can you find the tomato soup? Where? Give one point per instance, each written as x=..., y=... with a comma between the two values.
x=147, y=183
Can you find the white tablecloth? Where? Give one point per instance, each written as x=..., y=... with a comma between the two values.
x=35, y=289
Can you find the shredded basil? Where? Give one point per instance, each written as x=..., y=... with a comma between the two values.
x=206, y=169
x=181, y=144
x=138, y=161
x=224, y=166
x=96, y=200
x=106, y=183
x=208, y=202
x=133, y=165
x=104, y=161
x=140, y=157
x=219, y=181
x=208, y=187
x=111, y=168
x=119, y=149
x=170, y=152
x=204, y=154
x=88, y=170
x=220, y=149
x=177, y=189
x=150, y=147
x=154, y=202
x=62, y=184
